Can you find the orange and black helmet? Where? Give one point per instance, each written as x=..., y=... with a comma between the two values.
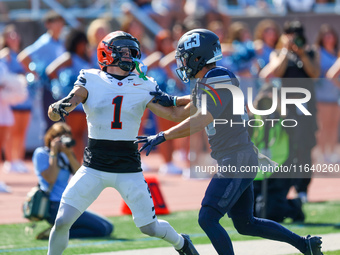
x=109, y=51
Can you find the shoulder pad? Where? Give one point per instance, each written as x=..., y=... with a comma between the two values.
x=219, y=77
x=81, y=79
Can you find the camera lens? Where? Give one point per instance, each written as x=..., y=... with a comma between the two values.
x=67, y=141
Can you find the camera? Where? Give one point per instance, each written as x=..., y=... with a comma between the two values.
x=299, y=40
x=296, y=29
x=67, y=141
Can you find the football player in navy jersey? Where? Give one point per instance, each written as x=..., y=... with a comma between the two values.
x=114, y=100
x=231, y=193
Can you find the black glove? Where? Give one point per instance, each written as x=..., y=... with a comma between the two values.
x=150, y=141
x=163, y=98
x=59, y=107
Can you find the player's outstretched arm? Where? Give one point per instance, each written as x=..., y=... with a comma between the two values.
x=187, y=127
x=176, y=114
x=58, y=110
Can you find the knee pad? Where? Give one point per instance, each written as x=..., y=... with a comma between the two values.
x=150, y=229
x=61, y=223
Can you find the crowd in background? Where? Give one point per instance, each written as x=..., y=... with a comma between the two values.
x=270, y=56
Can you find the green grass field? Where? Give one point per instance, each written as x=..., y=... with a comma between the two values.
x=321, y=218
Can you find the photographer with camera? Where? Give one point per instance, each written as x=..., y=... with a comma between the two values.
x=298, y=65
x=53, y=164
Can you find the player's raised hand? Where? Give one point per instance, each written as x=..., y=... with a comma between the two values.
x=150, y=141
x=59, y=107
x=163, y=98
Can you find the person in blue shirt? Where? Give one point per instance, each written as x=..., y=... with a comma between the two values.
x=63, y=71
x=15, y=145
x=327, y=95
x=266, y=36
x=228, y=192
x=54, y=164
x=36, y=57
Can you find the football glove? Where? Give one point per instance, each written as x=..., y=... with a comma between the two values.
x=163, y=98
x=59, y=107
x=150, y=141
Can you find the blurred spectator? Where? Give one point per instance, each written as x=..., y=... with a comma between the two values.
x=219, y=29
x=239, y=56
x=5, y=121
x=206, y=11
x=327, y=96
x=12, y=91
x=36, y=57
x=3, y=12
x=132, y=26
x=53, y=164
x=171, y=11
x=266, y=36
x=15, y=144
x=273, y=141
x=96, y=31
x=295, y=59
x=239, y=52
x=177, y=31
x=146, y=7
x=64, y=72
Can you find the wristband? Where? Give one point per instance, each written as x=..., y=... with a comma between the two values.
x=53, y=155
x=175, y=99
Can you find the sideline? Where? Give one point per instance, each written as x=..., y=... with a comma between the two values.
x=330, y=242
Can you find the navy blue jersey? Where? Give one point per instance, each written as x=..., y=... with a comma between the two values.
x=223, y=138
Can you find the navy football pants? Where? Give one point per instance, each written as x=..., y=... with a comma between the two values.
x=235, y=196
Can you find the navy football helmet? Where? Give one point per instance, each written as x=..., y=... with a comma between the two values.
x=109, y=51
x=196, y=49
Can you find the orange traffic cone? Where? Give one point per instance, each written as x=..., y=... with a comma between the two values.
x=158, y=200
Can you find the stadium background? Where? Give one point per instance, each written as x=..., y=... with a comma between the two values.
x=26, y=15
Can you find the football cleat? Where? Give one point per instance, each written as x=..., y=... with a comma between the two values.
x=313, y=244
x=188, y=247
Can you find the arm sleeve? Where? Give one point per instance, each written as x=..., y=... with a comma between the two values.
x=214, y=106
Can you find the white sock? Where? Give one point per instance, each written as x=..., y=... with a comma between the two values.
x=162, y=229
